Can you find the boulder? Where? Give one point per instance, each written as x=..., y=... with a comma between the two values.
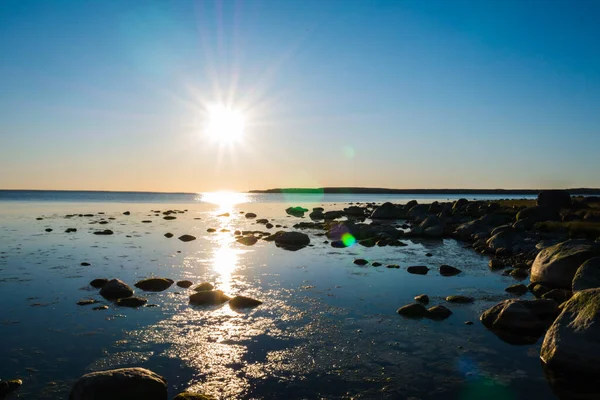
x=291, y=240
x=502, y=240
x=116, y=289
x=447, y=270
x=154, y=284
x=187, y=238
x=247, y=240
x=518, y=289
x=538, y=214
x=360, y=261
x=413, y=311
x=296, y=211
x=431, y=227
x=98, y=283
x=555, y=266
x=460, y=299
x=120, y=384
x=558, y=295
x=572, y=343
x=244, y=302
x=386, y=211
x=203, y=287
x=422, y=298
x=417, y=269
x=496, y=264
x=438, y=312
x=208, y=297
x=184, y=284
x=555, y=199
x=250, y=215
x=132, y=302
x=520, y=321
x=587, y=275
x=168, y=235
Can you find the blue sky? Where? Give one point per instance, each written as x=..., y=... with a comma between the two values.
x=405, y=94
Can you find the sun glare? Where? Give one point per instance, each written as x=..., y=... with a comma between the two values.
x=225, y=125
x=225, y=200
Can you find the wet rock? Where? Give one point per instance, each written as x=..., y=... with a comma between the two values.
x=168, y=235
x=208, y=297
x=376, y=264
x=154, y=284
x=422, y=298
x=7, y=387
x=98, y=283
x=262, y=221
x=460, y=299
x=360, y=261
x=250, y=215
x=187, y=238
x=520, y=321
x=85, y=264
x=496, y=264
x=104, y=232
x=296, y=211
x=244, y=302
x=185, y=284
x=572, y=342
x=291, y=240
x=247, y=240
x=413, y=311
x=518, y=289
x=204, y=286
x=268, y=226
x=116, y=289
x=126, y=213
x=146, y=221
x=587, y=275
x=431, y=227
x=395, y=266
x=132, y=302
x=192, y=396
x=438, y=313
x=120, y=384
x=447, y=270
x=86, y=302
x=100, y=308
x=48, y=229
x=338, y=244
x=71, y=230
x=417, y=269
x=223, y=215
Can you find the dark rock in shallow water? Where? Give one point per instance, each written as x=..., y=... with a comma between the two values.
x=154, y=284
x=338, y=244
x=244, y=302
x=460, y=299
x=247, y=240
x=518, y=289
x=187, y=238
x=496, y=264
x=360, y=261
x=250, y=215
x=71, y=230
x=387, y=211
x=184, y=284
x=126, y=213
x=204, y=286
x=98, y=283
x=422, y=298
x=413, y=311
x=296, y=211
x=418, y=269
x=120, y=384
x=86, y=302
x=208, y=297
x=168, y=235
x=192, y=396
x=146, y=221
x=85, y=264
x=100, y=308
x=291, y=240
x=132, y=302
x=7, y=387
x=519, y=273
x=587, y=275
x=169, y=218
x=104, y=232
x=376, y=264
x=396, y=266
x=48, y=229
x=116, y=289
x=438, y=312
x=447, y=270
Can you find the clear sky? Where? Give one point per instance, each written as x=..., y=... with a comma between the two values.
x=112, y=94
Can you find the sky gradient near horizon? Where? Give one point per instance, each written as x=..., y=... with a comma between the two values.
x=110, y=95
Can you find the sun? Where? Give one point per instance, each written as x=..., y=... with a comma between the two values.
x=225, y=125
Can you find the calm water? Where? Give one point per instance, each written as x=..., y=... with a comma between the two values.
x=327, y=328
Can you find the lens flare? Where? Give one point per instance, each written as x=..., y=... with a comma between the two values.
x=348, y=239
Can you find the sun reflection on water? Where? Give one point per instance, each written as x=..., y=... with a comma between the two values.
x=225, y=200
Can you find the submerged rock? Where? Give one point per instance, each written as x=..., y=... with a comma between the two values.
x=244, y=302
x=460, y=299
x=247, y=240
x=203, y=287
x=132, y=302
x=86, y=302
x=413, y=311
x=208, y=297
x=120, y=384
x=116, y=289
x=154, y=284
x=187, y=238
x=184, y=284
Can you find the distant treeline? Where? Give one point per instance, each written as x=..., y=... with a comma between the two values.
x=360, y=190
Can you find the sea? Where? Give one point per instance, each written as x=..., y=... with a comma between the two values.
x=327, y=328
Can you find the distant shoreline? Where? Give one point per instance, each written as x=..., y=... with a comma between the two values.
x=361, y=190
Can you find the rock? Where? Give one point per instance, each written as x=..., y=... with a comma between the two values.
x=376, y=264
x=262, y=221
x=208, y=297
x=116, y=289
x=417, y=269
x=48, y=229
x=422, y=298
x=120, y=384
x=538, y=214
x=7, y=387
x=224, y=215
x=587, y=275
x=558, y=295
x=127, y=213
x=502, y=240
x=132, y=302
x=386, y=211
x=296, y=211
x=244, y=302
x=539, y=290
x=187, y=238
x=209, y=230
x=432, y=227
x=192, y=396
x=204, y=286
x=519, y=273
x=438, y=312
x=360, y=261
x=168, y=235
x=396, y=266
x=184, y=284
x=520, y=321
x=316, y=215
x=169, y=218
x=354, y=211
x=85, y=264
x=154, y=284
x=554, y=199
x=146, y=221
x=291, y=240
x=460, y=299
x=555, y=266
x=459, y=204
x=98, y=283
x=413, y=311
x=572, y=342
x=250, y=215
x=71, y=230
x=104, y=232
x=496, y=264
x=447, y=270
x=269, y=225
x=518, y=289
x=247, y=240
x=338, y=244
x=100, y=308
x=86, y=302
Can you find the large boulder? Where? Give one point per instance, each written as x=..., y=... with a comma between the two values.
x=539, y=214
x=572, y=344
x=555, y=199
x=504, y=239
x=555, y=266
x=482, y=226
x=387, y=211
x=116, y=289
x=587, y=275
x=432, y=227
x=291, y=240
x=154, y=284
x=520, y=321
x=120, y=384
